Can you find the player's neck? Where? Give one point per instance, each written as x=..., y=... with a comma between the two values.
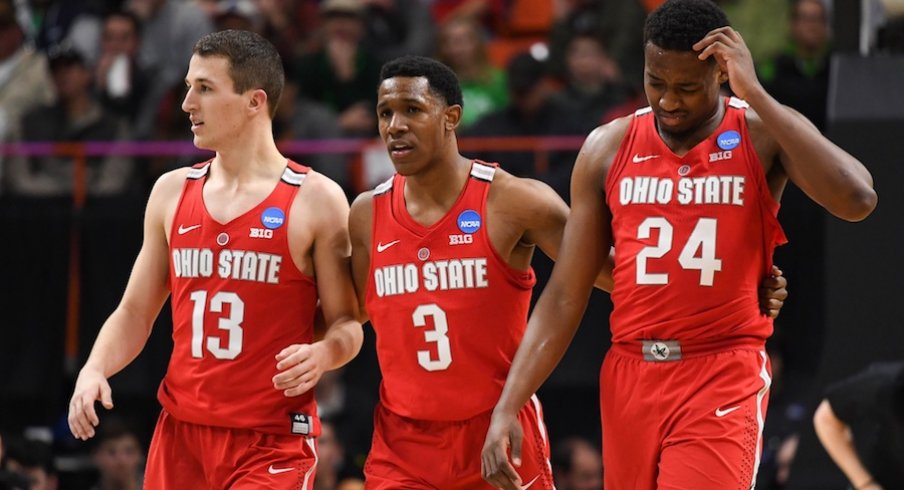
x=440, y=184
x=251, y=157
x=681, y=143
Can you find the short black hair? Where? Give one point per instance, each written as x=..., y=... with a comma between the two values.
x=443, y=81
x=253, y=62
x=679, y=24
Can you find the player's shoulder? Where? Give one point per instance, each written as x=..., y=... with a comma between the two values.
x=320, y=195
x=513, y=193
x=607, y=138
x=169, y=185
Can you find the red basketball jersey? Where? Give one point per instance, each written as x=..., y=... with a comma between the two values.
x=694, y=235
x=448, y=311
x=238, y=299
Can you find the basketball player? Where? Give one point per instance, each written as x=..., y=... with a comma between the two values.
x=441, y=259
x=246, y=243
x=687, y=190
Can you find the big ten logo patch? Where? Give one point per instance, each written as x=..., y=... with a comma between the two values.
x=460, y=239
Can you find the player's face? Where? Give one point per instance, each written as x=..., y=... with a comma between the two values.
x=413, y=122
x=682, y=90
x=216, y=112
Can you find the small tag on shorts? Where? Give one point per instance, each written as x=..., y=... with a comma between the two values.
x=302, y=424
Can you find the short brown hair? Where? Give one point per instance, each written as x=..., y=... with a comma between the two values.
x=253, y=62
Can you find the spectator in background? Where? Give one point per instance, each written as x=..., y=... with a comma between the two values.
x=119, y=456
x=332, y=471
x=76, y=116
x=530, y=112
x=10, y=480
x=592, y=83
x=170, y=30
x=462, y=46
x=350, y=411
x=860, y=423
x=399, y=27
x=24, y=77
x=763, y=23
x=32, y=459
x=118, y=79
x=617, y=23
x=490, y=14
x=66, y=23
x=342, y=73
x=799, y=76
x=577, y=465
x=243, y=15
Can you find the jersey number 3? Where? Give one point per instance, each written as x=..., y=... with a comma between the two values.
x=437, y=335
x=702, y=239
x=231, y=324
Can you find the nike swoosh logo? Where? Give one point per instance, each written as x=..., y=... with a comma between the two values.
x=722, y=413
x=639, y=159
x=276, y=471
x=183, y=230
x=525, y=487
x=383, y=246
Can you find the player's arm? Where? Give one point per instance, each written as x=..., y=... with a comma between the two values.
x=552, y=325
x=835, y=436
x=300, y=366
x=544, y=215
x=124, y=334
x=360, y=223
x=829, y=175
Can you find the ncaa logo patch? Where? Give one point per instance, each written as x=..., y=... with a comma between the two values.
x=273, y=218
x=729, y=140
x=469, y=221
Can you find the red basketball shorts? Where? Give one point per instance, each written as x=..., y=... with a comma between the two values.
x=184, y=455
x=695, y=423
x=420, y=454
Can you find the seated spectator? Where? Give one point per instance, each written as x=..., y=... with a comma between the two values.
x=32, y=459
x=342, y=74
x=24, y=77
x=463, y=48
x=119, y=456
x=799, y=76
x=170, y=29
x=577, y=465
x=399, y=27
x=120, y=82
x=617, y=23
x=592, y=83
x=77, y=116
x=530, y=112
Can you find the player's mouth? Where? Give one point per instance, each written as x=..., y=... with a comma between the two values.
x=195, y=124
x=399, y=149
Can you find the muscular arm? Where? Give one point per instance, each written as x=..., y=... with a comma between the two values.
x=835, y=437
x=544, y=215
x=829, y=175
x=124, y=334
x=301, y=366
x=360, y=223
x=558, y=312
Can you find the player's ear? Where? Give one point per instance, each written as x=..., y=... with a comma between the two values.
x=721, y=74
x=452, y=117
x=258, y=100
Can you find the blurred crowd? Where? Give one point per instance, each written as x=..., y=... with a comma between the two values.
x=112, y=71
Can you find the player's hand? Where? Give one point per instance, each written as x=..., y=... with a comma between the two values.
x=773, y=293
x=90, y=386
x=300, y=367
x=729, y=50
x=503, y=434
